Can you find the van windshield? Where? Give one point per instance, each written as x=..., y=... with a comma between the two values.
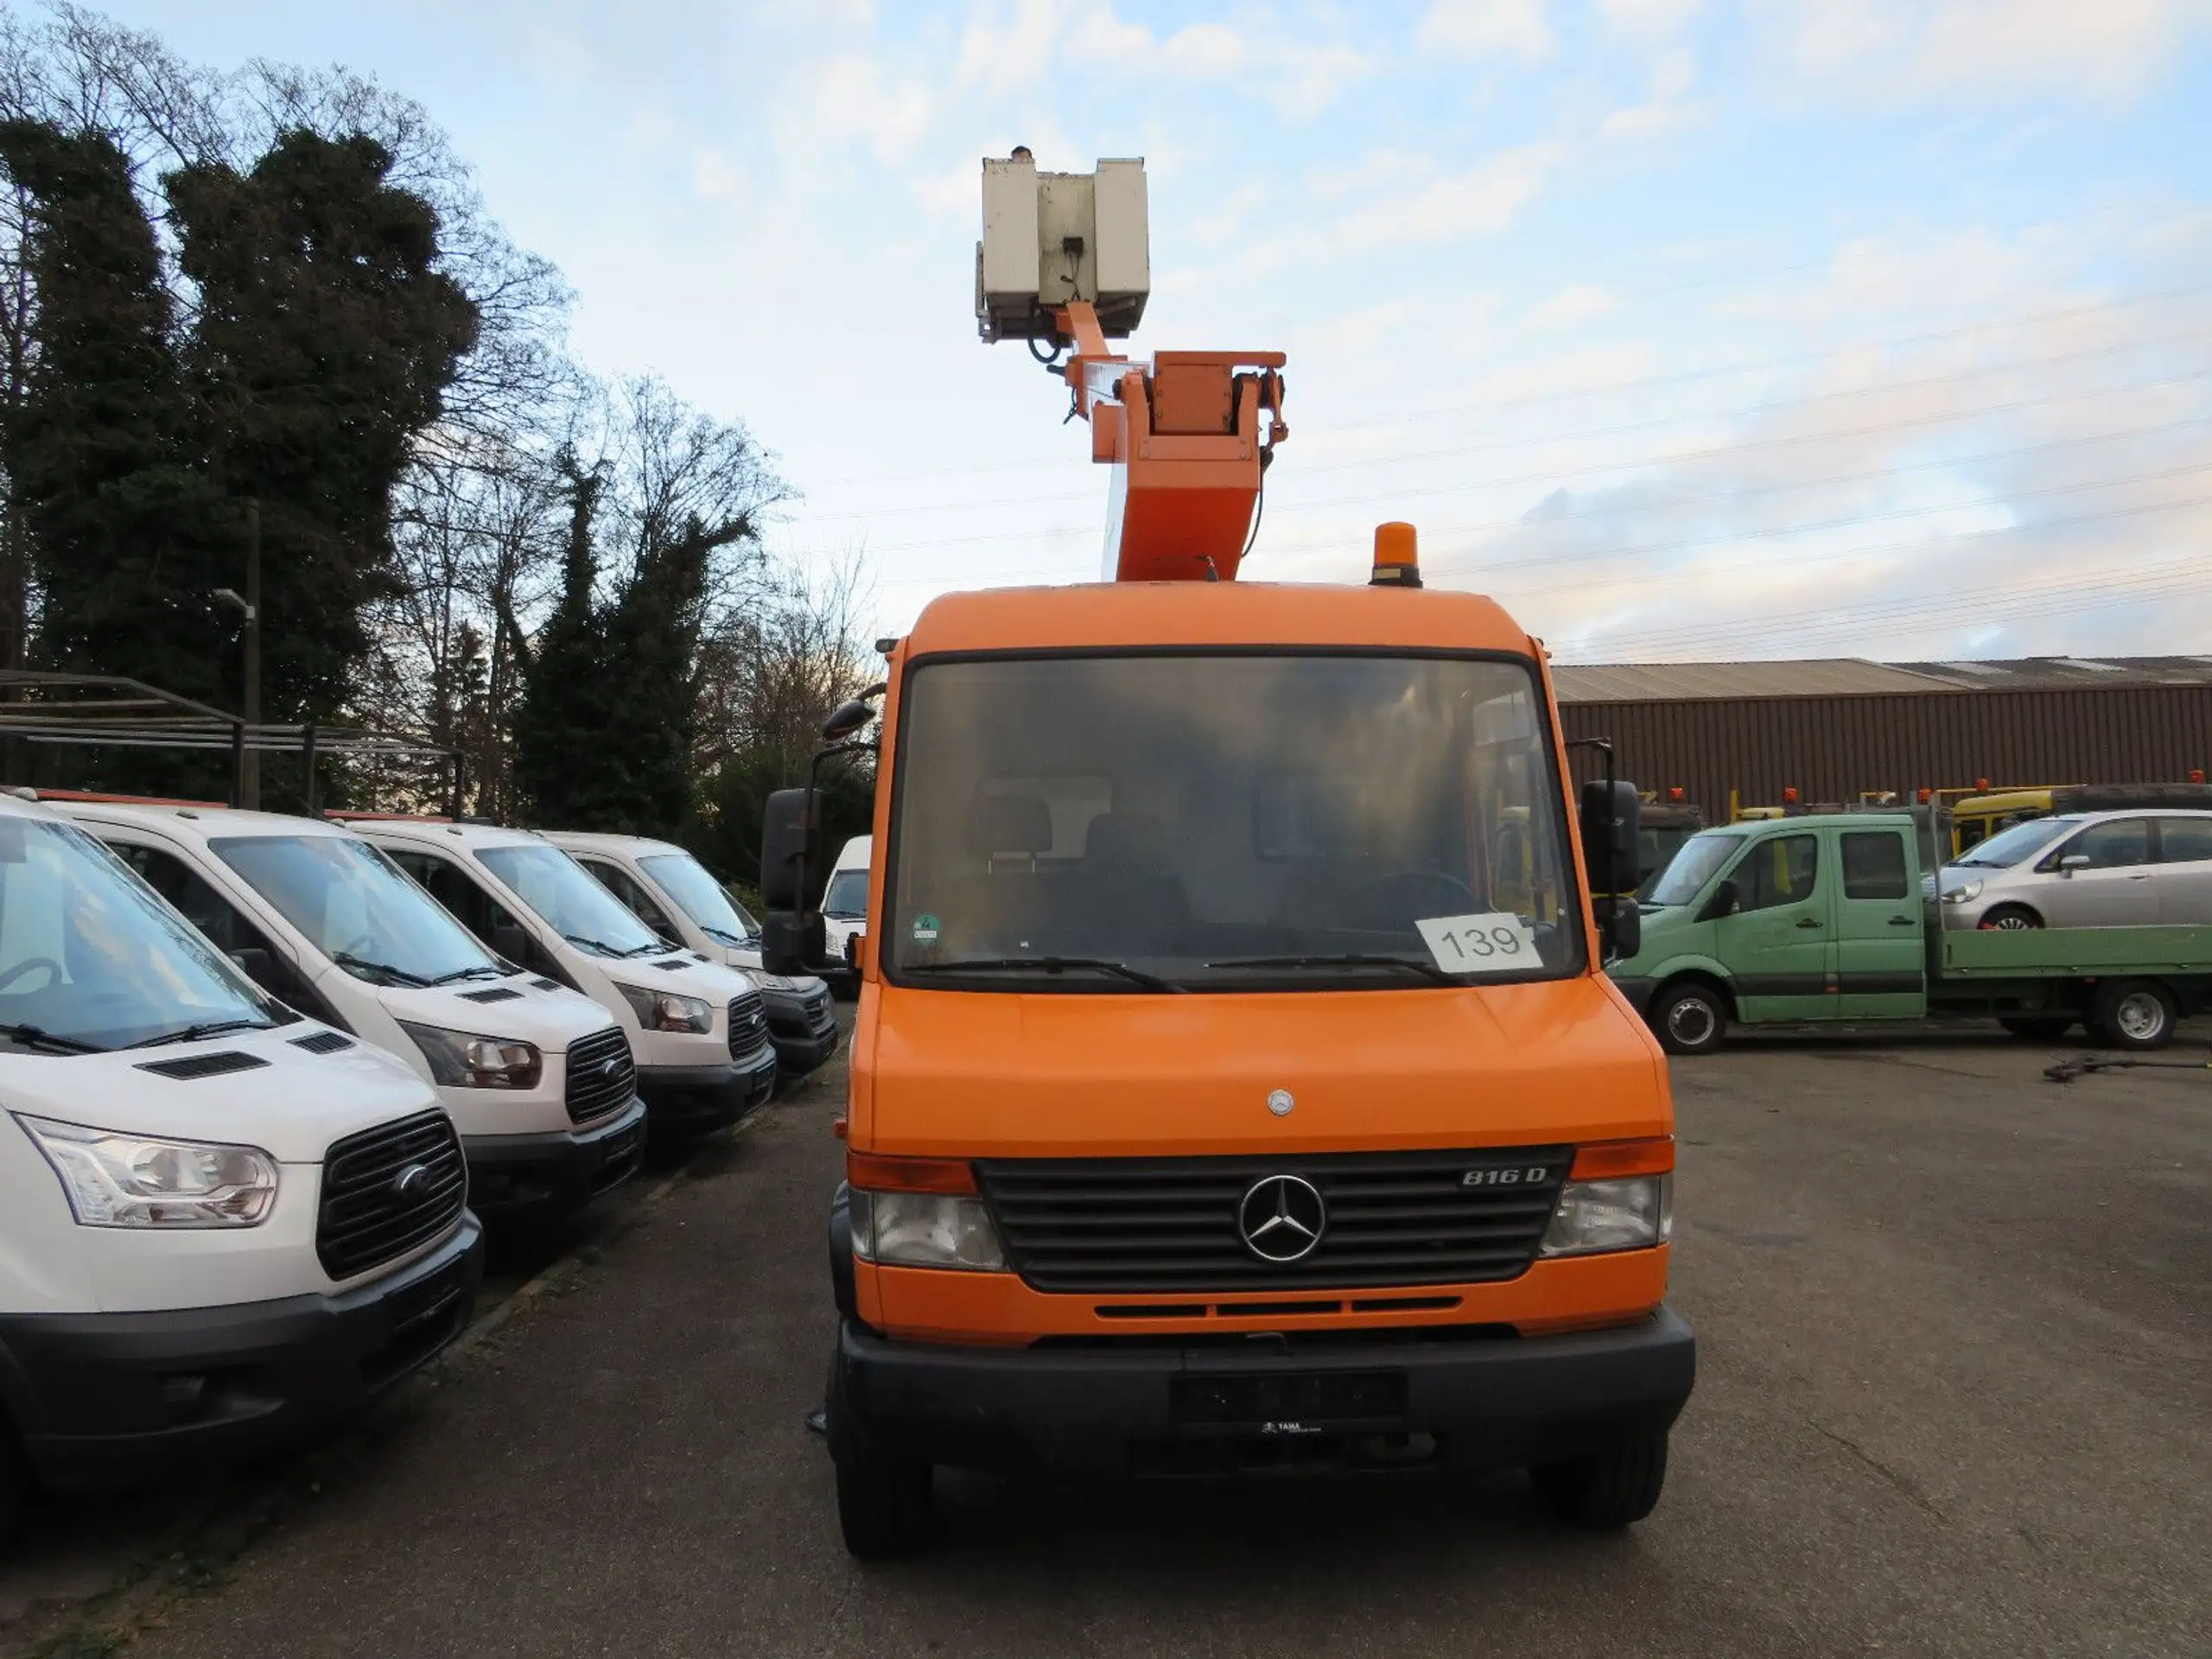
x=2017, y=845
x=354, y=907
x=699, y=896
x=1701, y=858
x=845, y=898
x=569, y=900
x=1187, y=822
x=91, y=958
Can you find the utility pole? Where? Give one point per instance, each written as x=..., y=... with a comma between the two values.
x=249, y=778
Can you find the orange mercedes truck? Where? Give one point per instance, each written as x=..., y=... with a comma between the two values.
x=1235, y=1083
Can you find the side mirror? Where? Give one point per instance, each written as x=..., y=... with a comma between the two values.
x=786, y=880
x=846, y=719
x=510, y=940
x=791, y=943
x=253, y=961
x=1610, y=815
x=2072, y=862
x=1723, y=903
x=1620, y=924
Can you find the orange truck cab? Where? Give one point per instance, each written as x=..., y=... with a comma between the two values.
x=1234, y=1081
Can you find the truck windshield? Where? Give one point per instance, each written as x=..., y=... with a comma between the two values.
x=570, y=901
x=1701, y=858
x=698, y=895
x=357, y=909
x=1214, y=822
x=91, y=959
x=2017, y=845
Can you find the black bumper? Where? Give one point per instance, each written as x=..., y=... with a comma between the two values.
x=1638, y=991
x=111, y=1400
x=1113, y=1410
x=801, y=1044
x=545, y=1176
x=687, y=1099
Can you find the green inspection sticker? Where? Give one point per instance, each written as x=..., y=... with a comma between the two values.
x=925, y=929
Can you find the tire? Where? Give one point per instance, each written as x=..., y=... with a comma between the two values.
x=1605, y=1491
x=2135, y=1013
x=2038, y=1027
x=884, y=1505
x=1690, y=1017
x=14, y=1487
x=2010, y=918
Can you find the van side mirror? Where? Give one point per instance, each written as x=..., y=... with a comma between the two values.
x=1610, y=811
x=786, y=820
x=2072, y=862
x=792, y=942
x=1722, y=903
x=1620, y=924
x=509, y=940
x=846, y=719
x=253, y=961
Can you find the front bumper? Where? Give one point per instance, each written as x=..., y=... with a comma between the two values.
x=110, y=1400
x=804, y=1038
x=687, y=1100
x=545, y=1176
x=1143, y=1406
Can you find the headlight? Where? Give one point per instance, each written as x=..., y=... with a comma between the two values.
x=1966, y=894
x=129, y=1180
x=1630, y=1214
x=925, y=1230
x=666, y=1011
x=462, y=1061
x=768, y=982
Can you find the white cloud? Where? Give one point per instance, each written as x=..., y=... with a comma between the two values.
x=1665, y=112
x=1649, y=19
x=1427, y=206
x=1577, y=303
x=715, y=177
x=1484, y=27
x=1888, y=50
x=853, y=96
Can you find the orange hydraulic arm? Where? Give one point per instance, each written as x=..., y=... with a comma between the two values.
x=1187, y=445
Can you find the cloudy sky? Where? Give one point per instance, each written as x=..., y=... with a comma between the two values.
x=1687, y=327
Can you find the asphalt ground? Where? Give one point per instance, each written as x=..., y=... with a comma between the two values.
x=1956, y=1397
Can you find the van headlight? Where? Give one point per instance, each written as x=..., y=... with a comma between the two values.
x=1963, y=895
x=925, y=1230
x=666, y=1010
x=461, y=1061
x=130, y=1181
x=1630, y=1213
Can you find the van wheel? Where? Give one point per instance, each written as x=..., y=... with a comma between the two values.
x=2010, y=919
x=884, y=1505
x=1690, y=1018
x=2136, y=1013
x=2038, y=1027
x=1606, y=1489
x=14, y=1487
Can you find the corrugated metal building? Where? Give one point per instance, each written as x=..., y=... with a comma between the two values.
x=1832, y=728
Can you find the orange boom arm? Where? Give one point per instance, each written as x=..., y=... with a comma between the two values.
x=1188, y=446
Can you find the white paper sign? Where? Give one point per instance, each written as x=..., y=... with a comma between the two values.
x=1498, y=942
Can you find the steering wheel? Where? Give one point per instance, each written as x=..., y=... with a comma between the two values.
x=54, y=972
x=1393, y=900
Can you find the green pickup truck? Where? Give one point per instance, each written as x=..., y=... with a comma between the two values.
x=1827, y=919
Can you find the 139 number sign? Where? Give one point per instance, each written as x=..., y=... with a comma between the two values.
x=1495, y=942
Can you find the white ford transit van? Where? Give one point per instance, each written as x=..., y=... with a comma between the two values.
x=698, y=1029
x=671, y=892
x=220, y=1224
x=538, y=1080
x=844, y=906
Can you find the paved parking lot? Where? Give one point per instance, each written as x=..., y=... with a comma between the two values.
x=1956, y=1370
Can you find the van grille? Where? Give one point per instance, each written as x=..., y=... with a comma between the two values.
x=366, y=1218
x=1137, y=1224
x=601, y=1074
x=748, y=1025
x=808, y=1014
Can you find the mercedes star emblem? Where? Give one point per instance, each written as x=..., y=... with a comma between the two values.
x=1280, y=1102
x=411, y=1182
x=1282, y=1219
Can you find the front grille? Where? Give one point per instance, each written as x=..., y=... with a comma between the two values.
x=1136, y=1224
x=748, y=1025
x=809, y=1015
x=601, y=1074
x=366, y=1218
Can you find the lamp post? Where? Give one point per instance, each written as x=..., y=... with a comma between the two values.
x=249, y=761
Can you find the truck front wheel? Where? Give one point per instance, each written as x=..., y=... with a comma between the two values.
x=1605, y=1491
x=1689, y=1017
x=884, y=1505
x=2137, y=1013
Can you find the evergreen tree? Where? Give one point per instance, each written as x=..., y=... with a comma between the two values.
x=325, y=340
x=563, y=725
x=128, y=537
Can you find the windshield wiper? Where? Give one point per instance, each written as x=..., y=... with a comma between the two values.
x=398, y=975
x=725, y=936
x=36, y=1036
x=205, y=1028
x=1426, y=970
x=480, y=970
x=1050, y=965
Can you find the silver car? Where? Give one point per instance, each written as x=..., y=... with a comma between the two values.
x=2086, y=869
